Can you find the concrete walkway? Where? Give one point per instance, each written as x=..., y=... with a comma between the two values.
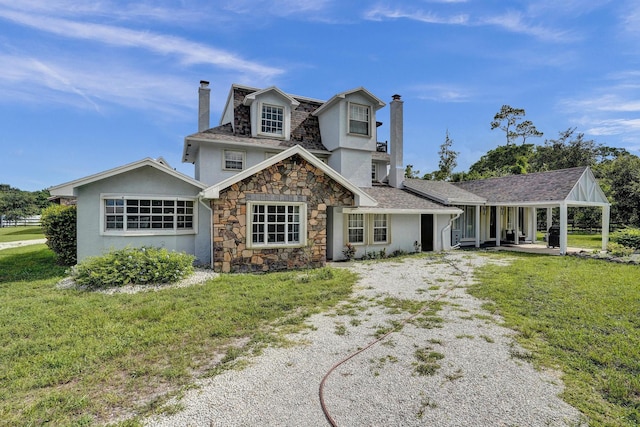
x=19, y=243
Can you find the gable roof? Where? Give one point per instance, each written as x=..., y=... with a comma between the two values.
x=443, y=192
x=248, y=100
x=305, y=128
x=393, y=200
x=361, y=198
x=378, y=103
x=563, y=185
x=67, y=189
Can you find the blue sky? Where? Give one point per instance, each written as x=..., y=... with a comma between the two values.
x=88, y=86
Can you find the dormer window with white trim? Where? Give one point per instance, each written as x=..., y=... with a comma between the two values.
x=359, y=119
x=272, y=122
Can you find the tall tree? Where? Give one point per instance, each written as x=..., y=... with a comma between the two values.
x=620, y=180
x=503, y=160
x=509, y=120
x=410, y=173
x=447, y=163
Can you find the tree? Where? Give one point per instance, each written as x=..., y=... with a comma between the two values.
x=569, y=150
x=508, y=119
x=16, y=204
x=503, y=160
x=620, y=180
x=410, y=173
x=448, y=160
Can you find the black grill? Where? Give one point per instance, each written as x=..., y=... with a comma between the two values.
x=553, y=236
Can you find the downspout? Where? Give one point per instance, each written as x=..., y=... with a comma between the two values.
x=200, y=199
x=448, y=227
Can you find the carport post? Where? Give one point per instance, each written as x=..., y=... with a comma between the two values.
x=564, y=225
x=605, y=226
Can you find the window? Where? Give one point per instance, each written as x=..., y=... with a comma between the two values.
x=466, y=222
x=272, y=120
x=359, y=119
x=355, y=228
x=277, y=224
x=374, y=172
x=155, y=215
x=233, y=160
x=380, y=228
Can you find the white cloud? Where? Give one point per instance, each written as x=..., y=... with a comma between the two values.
x=441, y=92
x=190, y=53
x=380, y=13
x=516, y=22
x=64, y=81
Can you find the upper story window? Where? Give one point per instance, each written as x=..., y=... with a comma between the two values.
x=272, y=120
x=374, y=172
x=359, y=119
x=233, y=160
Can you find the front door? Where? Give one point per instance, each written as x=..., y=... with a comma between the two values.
x=426, y=233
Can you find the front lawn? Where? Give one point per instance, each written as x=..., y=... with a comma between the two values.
x=579, y=240
x=14, y=234
x=581, y=317
x=69, y=357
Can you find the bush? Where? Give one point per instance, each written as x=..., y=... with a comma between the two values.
x=59, y=227
x=145, y=265
x=629, y=237
x=618, y=250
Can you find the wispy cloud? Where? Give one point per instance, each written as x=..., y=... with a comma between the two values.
x=442, y=93
x=516, y=22
x=381, y=13
x=63, y=81
x=189, y=53
x=277, y=7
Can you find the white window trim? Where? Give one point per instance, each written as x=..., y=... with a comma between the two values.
x=224, y=160
x=150, y=231
x=372, y=222
x=249, y=228
x=368, y=225
x=374, y=172
x=368, y=107
x=285, y=122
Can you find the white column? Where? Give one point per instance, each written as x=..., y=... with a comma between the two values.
x=516, y=223
x=563, y=228
x=477, y=220
x=606, y=211
x=533, y=220
x=498, y=225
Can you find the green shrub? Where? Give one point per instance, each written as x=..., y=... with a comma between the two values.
x=616, y=249
x=145, y=265
x=629, y=237
x=59, y=227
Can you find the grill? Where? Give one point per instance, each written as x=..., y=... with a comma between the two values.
x=553, y=236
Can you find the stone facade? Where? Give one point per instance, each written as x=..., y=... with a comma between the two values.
x=292, y=180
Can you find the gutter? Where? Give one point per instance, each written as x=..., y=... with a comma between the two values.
x=448, y=227
x=200, y=199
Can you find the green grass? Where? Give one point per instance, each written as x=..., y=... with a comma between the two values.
x=581, y=317
x=69, y=357
x=580, y=240
x=14, y=234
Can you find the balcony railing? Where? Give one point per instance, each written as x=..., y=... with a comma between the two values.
x=381, y=147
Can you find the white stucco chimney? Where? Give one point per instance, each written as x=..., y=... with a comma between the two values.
x=203, y=106
x=396, y=171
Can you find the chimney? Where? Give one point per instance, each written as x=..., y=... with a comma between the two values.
x=203, y=106
x=396, y=171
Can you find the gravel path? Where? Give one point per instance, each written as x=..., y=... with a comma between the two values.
x=17, y=244
x=482, y=378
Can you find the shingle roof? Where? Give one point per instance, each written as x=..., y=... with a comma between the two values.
x=534, y=187
x=443, y=192
x=305, y=128
x=390, y=198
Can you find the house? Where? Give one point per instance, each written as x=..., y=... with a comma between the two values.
x=285, y=181
x=504, y=209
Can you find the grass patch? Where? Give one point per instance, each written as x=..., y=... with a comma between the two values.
x=581, y=316
x=15, y=234
x=579, y=240
x=427, y=361
x=78, y=358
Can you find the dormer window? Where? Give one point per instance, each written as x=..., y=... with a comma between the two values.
x=359, y=119
x=272, y=120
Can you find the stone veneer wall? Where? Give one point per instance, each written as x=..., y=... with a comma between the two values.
x=293, y=180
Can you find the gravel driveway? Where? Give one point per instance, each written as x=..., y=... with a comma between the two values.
x=453, y=365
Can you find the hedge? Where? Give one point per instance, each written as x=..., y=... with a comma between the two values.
x=60, y=229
